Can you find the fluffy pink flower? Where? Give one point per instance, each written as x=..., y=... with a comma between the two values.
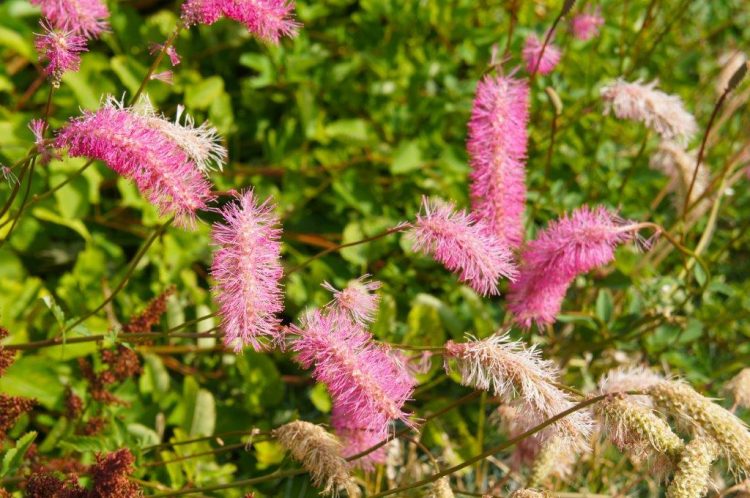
x=135, y=148
x=60, y=49
x=269, y=20
x=358, y=299
x=586, y=25
x=532, y=50
x=497, y=144
x=37, y=127
x=174, y=57
x=357, y=439
x=83, y=17
x=572, y=245
x=365, y=380
x=247, y=270
x=462, y=244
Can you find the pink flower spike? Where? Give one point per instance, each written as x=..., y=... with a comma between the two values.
x=174, y=57
x=61, y=50
x=570, y=246
x=365, y=380
x=358, y=299
x=86, y=18
x=46, y=153
x=269, y=20
x=585, y=25
x=136, y=148
x=462, y=244
x=532, y=51
x=357, y=439
x=498, y=139
x=247, y=270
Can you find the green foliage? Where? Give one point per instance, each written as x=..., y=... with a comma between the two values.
x=347, y=126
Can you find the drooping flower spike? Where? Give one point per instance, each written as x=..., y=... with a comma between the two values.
x=678, y=165
x=247, y=270
x=663, y=113
x=586, y=25
x=463, y=244
x=357, y=438
x=366, y=381
x=536, y=61
x=136, y=147
x=358, y=299
x=60, y=50
x=269, y=20
x=497, y=145
x=86, y=18
x=572, y=245
x=509, y=369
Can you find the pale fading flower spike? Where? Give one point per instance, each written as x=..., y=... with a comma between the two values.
x=319, y=452
x=497, y=145
x=553, y=460
x=358, y=299
x=663, y=113
x=707, y=418
x=463, y=245
x=739, y=386
x=510, y=369
x=678, y=165
x=530, y=493
x=630, y=379
x=693, y=474
x=247, y=271
x=441, y=489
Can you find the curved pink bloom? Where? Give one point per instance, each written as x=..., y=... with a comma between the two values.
x=463, y=244
x=532, y=50
x=136, y=149
x=357, y=439
x=61, y=50
x=358, y=299
x=570, y=246
x=247, y=270
x=82, y=17
x=585, y=26
x=497, y=143
x=365, y=380
x=269, y=20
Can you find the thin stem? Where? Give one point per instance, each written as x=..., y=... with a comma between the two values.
x=170, y=41
x=399, y=228
x=235, y=484
x=59, y=341
x=702, y=149
x=131, y=268
x=251, y=432
x=567, y=5
x=23, y=203
x=495, y=449
x=193, y=321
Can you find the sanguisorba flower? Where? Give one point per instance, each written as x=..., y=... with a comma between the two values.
x=663, y=113
x=83, y=17
x=247, y=270
x=269, y=20
x=366, y=380
x=463, y=244
x=705, y=417
x=510, y=369
x=319, y=452
x=570, y=246
x=585, y=25
x=60, y=50
x=536, y=61
x=357, y=438
x=739, y=386
x=497, y=144
x=358, y=299
x=693, y=475
x=135, y=147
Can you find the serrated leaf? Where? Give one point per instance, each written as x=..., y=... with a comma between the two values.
x=14, y=457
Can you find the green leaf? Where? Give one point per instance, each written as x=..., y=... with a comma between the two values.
x=204, y=415
x=320, y=398
x=406, y=158
x=74, y=224
x=14, y=457
x=83, y=444
x=604, y=305
x=203, y=94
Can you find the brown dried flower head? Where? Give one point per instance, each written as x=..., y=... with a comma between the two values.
x=151, y=314
x=6, y=356
x=12, y=407
x=319, y=452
